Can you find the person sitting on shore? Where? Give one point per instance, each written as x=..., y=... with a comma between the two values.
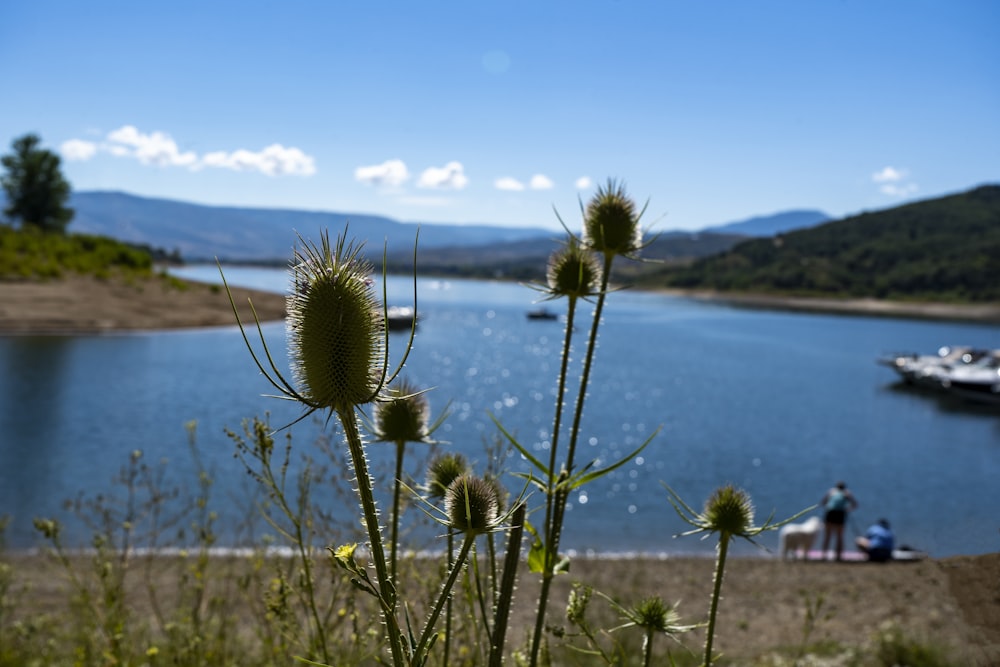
x=877, y=542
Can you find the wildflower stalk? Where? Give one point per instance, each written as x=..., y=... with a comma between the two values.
x=397, y=492
x=506, y=590
x=556, y=498
x=729, y=511
x=386, y=589
x=720, y=567
x=457, y=566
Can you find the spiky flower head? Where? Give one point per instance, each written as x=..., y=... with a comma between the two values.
x=654, y=614
x=472, y=505
x=611, y=222
x=335, y=327
x=729, y=510
x=573, y=271
x=443, y=470
x=403, y=416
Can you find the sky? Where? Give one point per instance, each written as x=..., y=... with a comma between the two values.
x=511, y=112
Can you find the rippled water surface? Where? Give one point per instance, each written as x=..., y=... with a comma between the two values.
x=781, y=404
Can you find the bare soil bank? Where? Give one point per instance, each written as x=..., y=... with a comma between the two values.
x=986, y=312
x=84, y=305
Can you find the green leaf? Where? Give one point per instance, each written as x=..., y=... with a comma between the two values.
x=580, y=479
x=524, y=452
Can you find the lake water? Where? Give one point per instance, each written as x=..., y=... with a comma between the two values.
x=781, y=404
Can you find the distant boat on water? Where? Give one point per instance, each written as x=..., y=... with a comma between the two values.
x=400, y=318
x=971, y=374
x=542, y=314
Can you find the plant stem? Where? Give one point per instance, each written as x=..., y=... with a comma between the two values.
x=506, y=589
x=720, y=566
x=445, y=594
x=448, y=612
x=554, y=521
x=387, y=591
x=394, y=544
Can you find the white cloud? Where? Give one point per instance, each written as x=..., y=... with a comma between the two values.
x=583, y=183
x=449, y=177
x=508, y=183
x=158, y=148
x=391, y=172
x=275, y=160
x=541, y=182
x=888, y=175
x=894, y=182
x=77, y=149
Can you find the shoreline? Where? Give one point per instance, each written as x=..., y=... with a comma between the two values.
x=987, y=313
x=83, y=305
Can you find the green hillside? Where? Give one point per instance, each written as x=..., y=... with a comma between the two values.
x=945, y=249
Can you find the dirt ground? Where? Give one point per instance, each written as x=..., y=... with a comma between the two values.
x=952, y=604
x=85, y=305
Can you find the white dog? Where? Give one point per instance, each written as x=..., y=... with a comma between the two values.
x=796, y=536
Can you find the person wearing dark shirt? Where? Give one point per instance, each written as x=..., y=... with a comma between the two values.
x=837, y=502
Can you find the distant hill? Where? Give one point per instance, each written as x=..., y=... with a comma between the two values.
x=235, y=234
x=256, y=234
x=939, y=249
x=527, y=259
x=769, y=225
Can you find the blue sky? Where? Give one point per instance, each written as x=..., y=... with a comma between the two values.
x=496, y=112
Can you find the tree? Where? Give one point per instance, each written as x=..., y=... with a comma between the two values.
x=36, y=189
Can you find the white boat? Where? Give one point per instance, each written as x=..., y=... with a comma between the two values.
x=926, y=369
x=400, y=318
x=978, y=381
x=964, y=372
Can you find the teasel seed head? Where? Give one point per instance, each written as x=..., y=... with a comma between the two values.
x=654, y=614
x=573, y=271
x=729, y=510
x=443, y=470
x=472, y=505
x=611, y=222
x=335, y=327
x=403, y=415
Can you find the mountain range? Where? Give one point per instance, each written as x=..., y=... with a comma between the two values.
x=234, y=234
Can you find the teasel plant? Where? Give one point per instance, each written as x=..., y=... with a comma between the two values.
x=651, y=615
x=404, y=417
x=338, y=343
x=729, y=511
x=442, y=471
x=580, y=270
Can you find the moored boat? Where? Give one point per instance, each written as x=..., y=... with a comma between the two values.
x=965, y=372
x=542, y=314
x=400, y=318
